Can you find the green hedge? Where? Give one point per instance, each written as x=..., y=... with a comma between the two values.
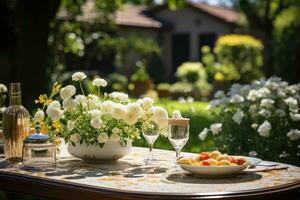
x=199, y=119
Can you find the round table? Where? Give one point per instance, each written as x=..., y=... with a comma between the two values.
x=129, y=178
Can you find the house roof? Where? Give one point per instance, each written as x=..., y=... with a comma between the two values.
x=141, y=16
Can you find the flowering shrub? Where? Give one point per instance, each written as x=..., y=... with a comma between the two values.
x=94, y=118
x=261, y=119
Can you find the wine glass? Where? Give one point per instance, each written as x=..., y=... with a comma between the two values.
x=151, y=133
x=178, y=134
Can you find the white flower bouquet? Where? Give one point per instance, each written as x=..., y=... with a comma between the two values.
x=94, y=119
x=261, y=119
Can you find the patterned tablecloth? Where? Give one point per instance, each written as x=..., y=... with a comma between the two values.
x=131, y=174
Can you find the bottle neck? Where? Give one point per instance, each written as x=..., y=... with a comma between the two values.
x=15, y=99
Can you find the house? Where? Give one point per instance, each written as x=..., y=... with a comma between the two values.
x=181, y=33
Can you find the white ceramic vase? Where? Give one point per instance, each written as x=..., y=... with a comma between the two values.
x=111, y=151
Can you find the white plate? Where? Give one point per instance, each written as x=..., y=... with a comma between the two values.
x=218, y=171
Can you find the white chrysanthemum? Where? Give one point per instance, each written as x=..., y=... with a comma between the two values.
x=75, y=138
x=219, y=94
x=70, y=125
x=264, y=129
x=54, y=111
x=119, y=111
x=216, y=128
x=265, y=113
x=160, y=116
x=292, y=103
x=122, y=97
x=78, y=76
x=67, y=92
x=114, y=137
x=95, y=113
x=203, y=134
x=39, y=116
x=116, y=130
x=236, y=99
x=293, y=134
x=2, y=110
x=280, y=113
x=99, y=82
x=96, y=123
x=267, y=103
x=103, y=137
x=69, y=104
x=3, y=88
x=176, y=114
x=238, y=116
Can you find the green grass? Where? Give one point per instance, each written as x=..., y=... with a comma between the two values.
x=199, y=119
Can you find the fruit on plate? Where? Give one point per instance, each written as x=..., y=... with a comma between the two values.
x=214, y=158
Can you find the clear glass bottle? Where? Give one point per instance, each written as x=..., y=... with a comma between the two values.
x=16, y=124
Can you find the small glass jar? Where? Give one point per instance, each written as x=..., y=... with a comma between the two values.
x=38, y=151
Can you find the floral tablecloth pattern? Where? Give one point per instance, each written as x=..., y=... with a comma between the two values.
x=130, y=174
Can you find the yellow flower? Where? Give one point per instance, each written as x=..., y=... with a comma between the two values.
x=219, y=76
x=56, y=88
x=48, y=102
x=56, y=125
x=42, y=99
x=44, y=128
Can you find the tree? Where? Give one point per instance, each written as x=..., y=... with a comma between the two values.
x=261, y=16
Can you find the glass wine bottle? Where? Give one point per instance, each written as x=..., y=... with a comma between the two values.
x=16, y=124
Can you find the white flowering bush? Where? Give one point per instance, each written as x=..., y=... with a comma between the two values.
x=96, y=118
x=259, y=119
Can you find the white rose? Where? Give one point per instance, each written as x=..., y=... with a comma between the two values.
x=114, y=137
x=267, y=103
x=176, y=114
x=69, y=104
x=2, y=110
x=134, y=108
x=99, y=82
x=131, y=117
x=147, y=102
x=75, y=138
x=78, y=76
x=96, y=123
x=216, y=128
x=265, y=113
x=116, y=130
x=203, y=134
x=237, y=99
x=160, y=116
x=67, y=92
x=292, y=103
x=3, y=88
x=39, y=116
x=119, y=111
x=122, y=97
x=294, y=134
x=102, y=138
x=95, y=113
x=238, y=116
x=295, y=117
x=54, y=111
x=70, y=125
x=264, y=129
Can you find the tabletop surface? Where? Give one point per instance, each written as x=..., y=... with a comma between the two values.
x=130, y=174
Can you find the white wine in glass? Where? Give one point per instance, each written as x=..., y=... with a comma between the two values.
x=178, y=134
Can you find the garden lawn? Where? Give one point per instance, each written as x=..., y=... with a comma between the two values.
x=199, y=119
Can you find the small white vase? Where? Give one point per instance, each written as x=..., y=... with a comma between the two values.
x=111, y=151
